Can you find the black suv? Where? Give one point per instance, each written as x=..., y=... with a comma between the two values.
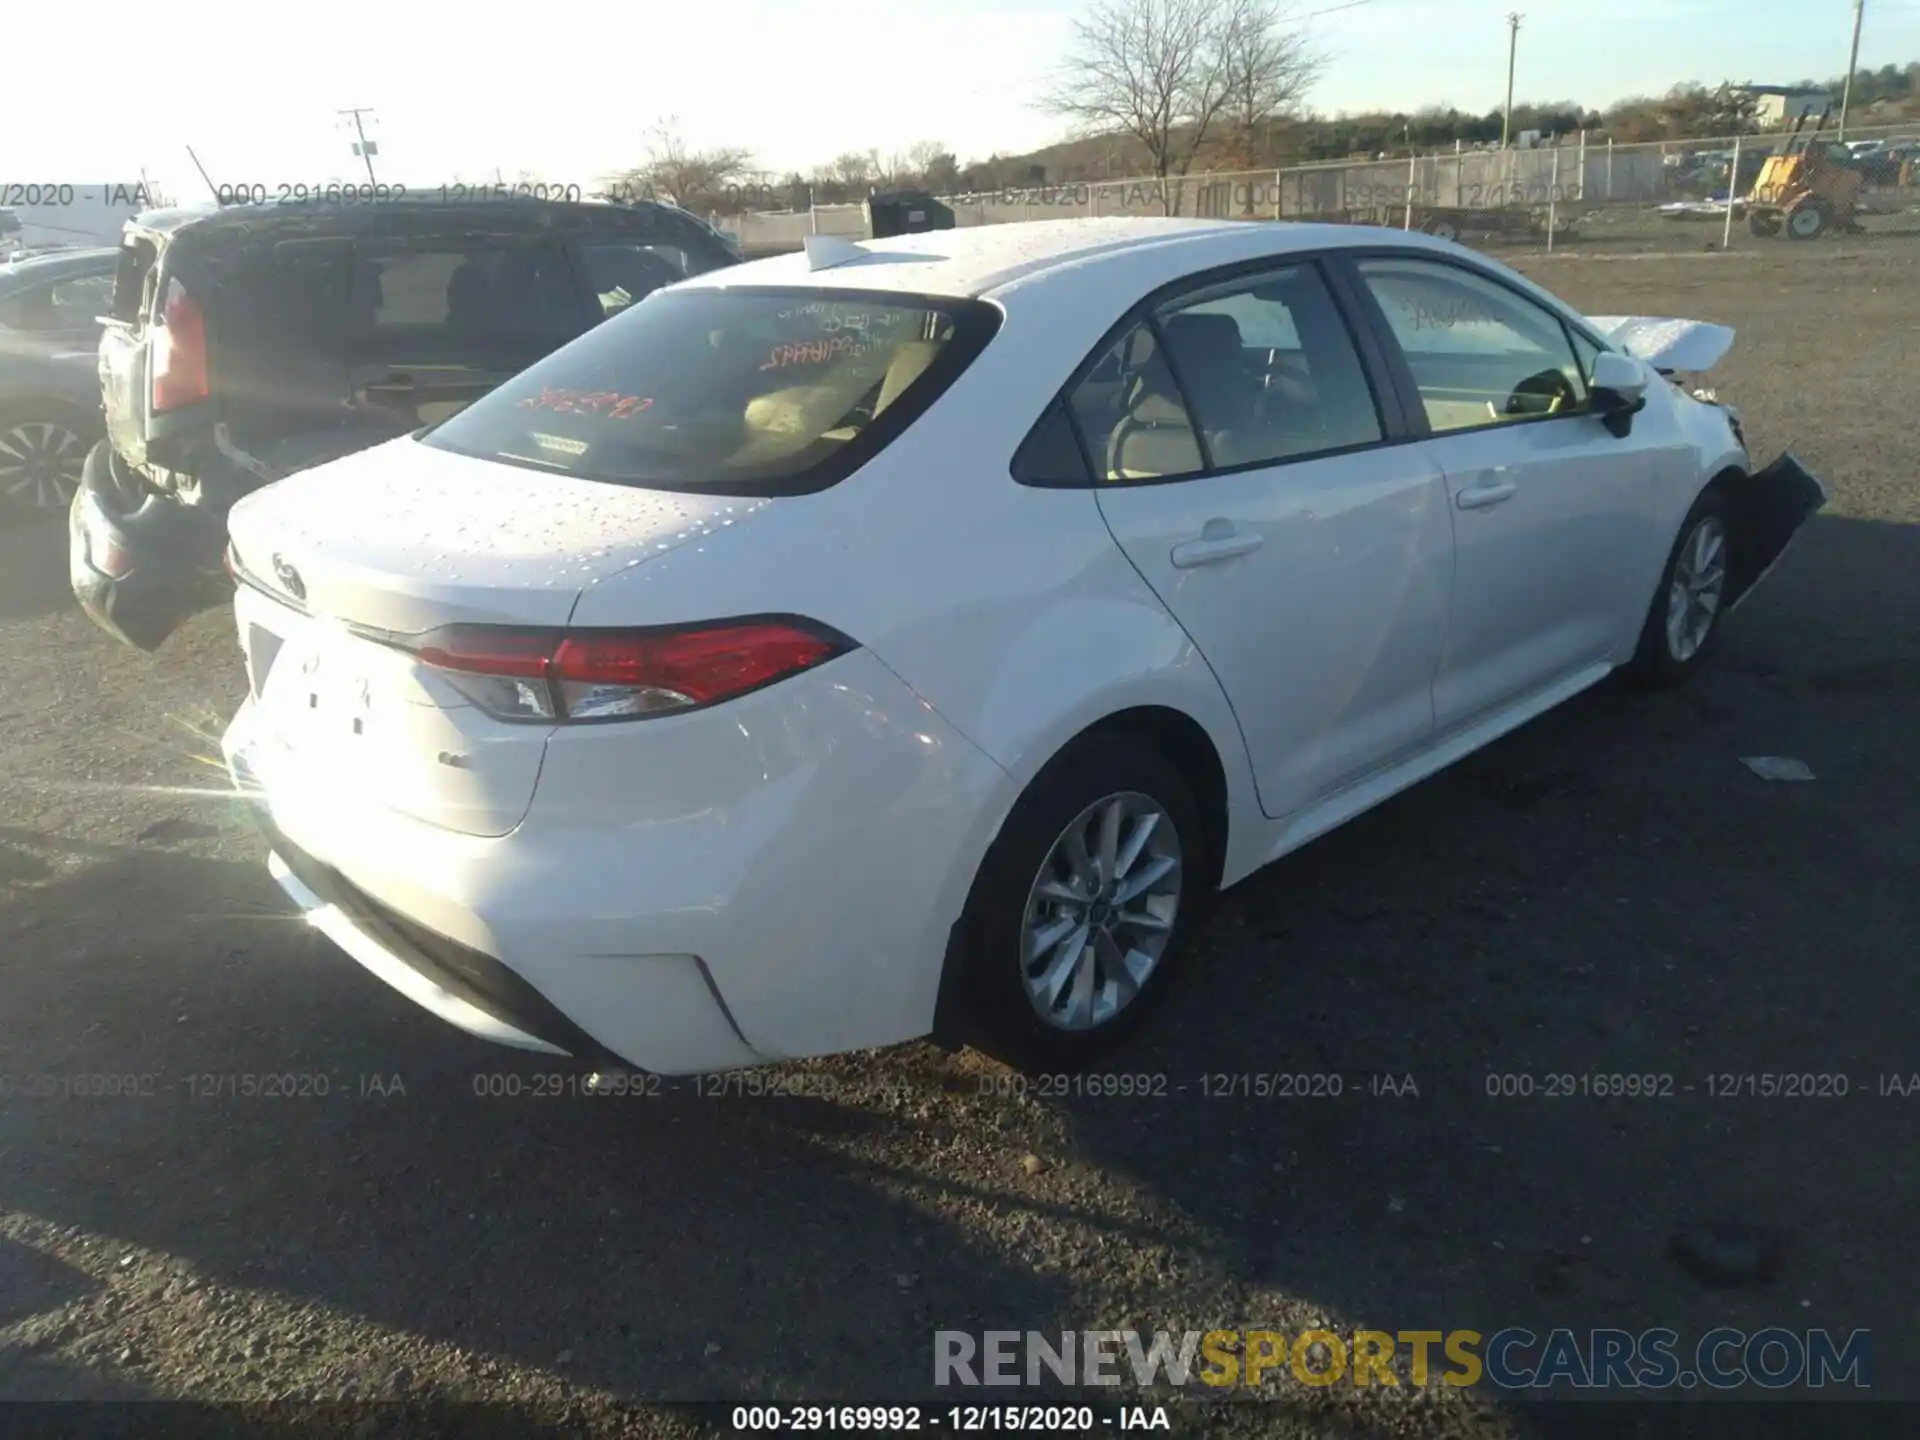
x=247, y=342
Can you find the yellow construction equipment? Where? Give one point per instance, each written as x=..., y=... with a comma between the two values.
x=1807, y=188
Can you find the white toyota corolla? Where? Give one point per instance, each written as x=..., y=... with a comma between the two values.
x=907, y=637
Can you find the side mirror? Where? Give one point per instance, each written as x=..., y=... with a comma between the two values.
x=1619, y=386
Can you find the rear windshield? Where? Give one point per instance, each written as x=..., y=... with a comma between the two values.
x=736, y=390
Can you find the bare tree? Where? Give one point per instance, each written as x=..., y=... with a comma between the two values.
x=923, y=157
x=853, y=170
x=941, y=173
x=1269, y=70
x=697, y=180
x=1170, y=73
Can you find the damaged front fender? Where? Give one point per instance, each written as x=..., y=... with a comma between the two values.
x=1770, y=507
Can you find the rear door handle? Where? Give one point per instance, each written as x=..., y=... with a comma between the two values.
x=1218, y=541
x=1479, y=497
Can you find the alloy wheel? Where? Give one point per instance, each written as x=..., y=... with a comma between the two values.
x=40, y=464
x=1101, y=911
x=1699, y=582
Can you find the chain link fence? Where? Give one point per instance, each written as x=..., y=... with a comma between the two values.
x=1576, y=190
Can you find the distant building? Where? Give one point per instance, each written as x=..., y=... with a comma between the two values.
x=1777, y=105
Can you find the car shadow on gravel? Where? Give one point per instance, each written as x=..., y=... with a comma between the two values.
x=33, y=568
x=1464, y=1063
x=668, y=1247
x=1605, y=893
x=31, y=1281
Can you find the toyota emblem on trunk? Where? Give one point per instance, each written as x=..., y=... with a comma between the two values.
x=289, y=578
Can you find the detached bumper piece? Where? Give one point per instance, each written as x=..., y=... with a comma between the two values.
x=1770, y=507
x=391, y=946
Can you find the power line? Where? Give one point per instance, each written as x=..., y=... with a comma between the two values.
x=1331, y=10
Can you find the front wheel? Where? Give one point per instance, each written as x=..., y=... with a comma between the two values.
x=1082, y=906
x=1763, y=223
x=1685, y=615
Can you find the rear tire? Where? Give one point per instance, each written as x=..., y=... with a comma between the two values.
x=1808, y=220
x=1683, y=620
x=1042, y=940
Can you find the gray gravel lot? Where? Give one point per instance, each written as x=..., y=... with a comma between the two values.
x=1607, y=890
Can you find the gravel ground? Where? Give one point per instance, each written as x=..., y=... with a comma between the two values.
x=1606, y=890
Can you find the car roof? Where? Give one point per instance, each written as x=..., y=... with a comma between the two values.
x=345, y=217
x=983, y=260
x=55, y=263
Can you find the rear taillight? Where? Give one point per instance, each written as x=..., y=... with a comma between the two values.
x=180, y=352
x=569, y=675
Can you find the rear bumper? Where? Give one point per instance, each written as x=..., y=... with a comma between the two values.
x=461, y=985
x=775, y=879
x=170, y=565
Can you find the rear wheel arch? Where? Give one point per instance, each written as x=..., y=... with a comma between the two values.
x=1724, y=481
x=1185, y=742
x=1176, y=736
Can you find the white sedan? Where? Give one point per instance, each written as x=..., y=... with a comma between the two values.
x=909, y=636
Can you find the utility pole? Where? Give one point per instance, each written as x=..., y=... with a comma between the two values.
x=1513, y=47
x=1853, y=63
x=364, y=148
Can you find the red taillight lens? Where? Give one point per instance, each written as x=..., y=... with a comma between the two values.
x=701, y=666
x=490, y=650
x=180, y=353
x=522, y=674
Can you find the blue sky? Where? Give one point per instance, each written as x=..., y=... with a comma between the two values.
x=571, y=91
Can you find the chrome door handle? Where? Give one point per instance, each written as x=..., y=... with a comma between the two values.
x=1212, y=547
x=1479, y=497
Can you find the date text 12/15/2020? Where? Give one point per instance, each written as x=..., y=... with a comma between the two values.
x=955, y=1419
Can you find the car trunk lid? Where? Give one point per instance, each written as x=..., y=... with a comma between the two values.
x=340, y=565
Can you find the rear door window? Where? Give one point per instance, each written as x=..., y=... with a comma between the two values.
x=624, y=272
x=466, y=290
x=291, y=295
x=741, y=391
x=79, y=298
x=1269, y=368
x=1134, y=418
